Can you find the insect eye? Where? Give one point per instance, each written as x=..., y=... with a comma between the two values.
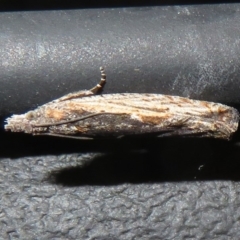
x=30, y=115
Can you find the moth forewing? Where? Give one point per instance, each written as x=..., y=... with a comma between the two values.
x=121, y=114
x=85, y=115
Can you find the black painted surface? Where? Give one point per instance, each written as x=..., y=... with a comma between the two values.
x=191, y=51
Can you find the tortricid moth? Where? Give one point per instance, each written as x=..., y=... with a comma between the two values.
x=84, y=115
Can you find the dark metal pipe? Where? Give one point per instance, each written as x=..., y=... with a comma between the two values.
x=190, y=51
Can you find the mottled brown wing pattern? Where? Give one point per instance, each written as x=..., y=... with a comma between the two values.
x=119, y=114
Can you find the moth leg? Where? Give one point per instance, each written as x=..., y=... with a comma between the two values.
x=102, y=82
x=62, y=136
x=85, y=93
x=182, y=133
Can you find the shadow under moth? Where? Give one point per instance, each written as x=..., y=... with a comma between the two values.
x=84, y=115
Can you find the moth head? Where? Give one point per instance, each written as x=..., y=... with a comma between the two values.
x=20, y=123
x=31, y=115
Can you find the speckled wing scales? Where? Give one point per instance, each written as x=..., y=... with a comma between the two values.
x=84, y=115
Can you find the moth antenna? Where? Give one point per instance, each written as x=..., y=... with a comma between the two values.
x=71, y=121
x=102, y=82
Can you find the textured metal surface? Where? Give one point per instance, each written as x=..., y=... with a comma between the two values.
x=121, y=196
x=168, y=190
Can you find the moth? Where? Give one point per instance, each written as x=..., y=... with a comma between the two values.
x=84, y=115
